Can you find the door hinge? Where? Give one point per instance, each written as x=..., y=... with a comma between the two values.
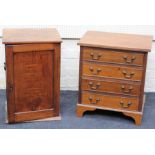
x=4, y=66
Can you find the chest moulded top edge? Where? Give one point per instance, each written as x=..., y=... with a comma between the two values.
x=122, y=41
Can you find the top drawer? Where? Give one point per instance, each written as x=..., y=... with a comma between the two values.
x=113, y=56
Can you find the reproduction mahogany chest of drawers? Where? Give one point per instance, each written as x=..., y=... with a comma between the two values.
x=112, y=73
x=32, y=73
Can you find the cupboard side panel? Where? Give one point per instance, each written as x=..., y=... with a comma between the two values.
x=10, y=84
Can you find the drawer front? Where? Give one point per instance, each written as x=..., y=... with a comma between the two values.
x=115, y=102
x=127, y=73
x=112, y=87
x=112, y=56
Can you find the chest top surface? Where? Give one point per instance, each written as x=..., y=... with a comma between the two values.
x=36, y=35
x=117, y=41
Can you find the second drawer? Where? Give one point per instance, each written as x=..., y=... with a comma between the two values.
x=110, y=71
x=111, y=87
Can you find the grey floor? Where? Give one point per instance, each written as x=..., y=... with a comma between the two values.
x=92, y=120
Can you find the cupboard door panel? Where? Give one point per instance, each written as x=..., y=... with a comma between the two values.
x=33, y=81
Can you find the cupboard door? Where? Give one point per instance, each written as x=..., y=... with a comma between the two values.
x=32, y=85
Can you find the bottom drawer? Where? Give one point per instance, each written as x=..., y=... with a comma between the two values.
x=115, y=102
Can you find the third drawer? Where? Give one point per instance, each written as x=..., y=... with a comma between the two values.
x=111, y=87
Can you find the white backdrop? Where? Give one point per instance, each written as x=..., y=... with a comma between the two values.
x=70, y=52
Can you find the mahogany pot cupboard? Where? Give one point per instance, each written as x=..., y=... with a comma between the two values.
x=32, y=73
x=112, y=73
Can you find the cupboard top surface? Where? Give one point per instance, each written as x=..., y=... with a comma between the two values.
x=117, y=41
x=36, y=35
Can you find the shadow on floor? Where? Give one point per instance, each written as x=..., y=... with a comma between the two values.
x=99, y=119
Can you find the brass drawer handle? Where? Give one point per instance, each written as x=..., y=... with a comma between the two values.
x=125, y=105
x=128, y=75
x=95, y=57
x=91, y=100
x=94, y=87
x=127, y=60
x=125, y=89
x=98, y=70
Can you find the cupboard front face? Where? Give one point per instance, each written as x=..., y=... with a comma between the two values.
x=31, y=88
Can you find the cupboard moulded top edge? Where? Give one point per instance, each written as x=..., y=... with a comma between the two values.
x=30, y=35
x=26, y=43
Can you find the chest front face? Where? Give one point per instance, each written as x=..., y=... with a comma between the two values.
x=112, y=73
x=31, y=87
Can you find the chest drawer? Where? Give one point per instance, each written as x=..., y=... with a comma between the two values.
x=113, y=56
x=115, y=102
x=118, y=72
x=112, y=87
